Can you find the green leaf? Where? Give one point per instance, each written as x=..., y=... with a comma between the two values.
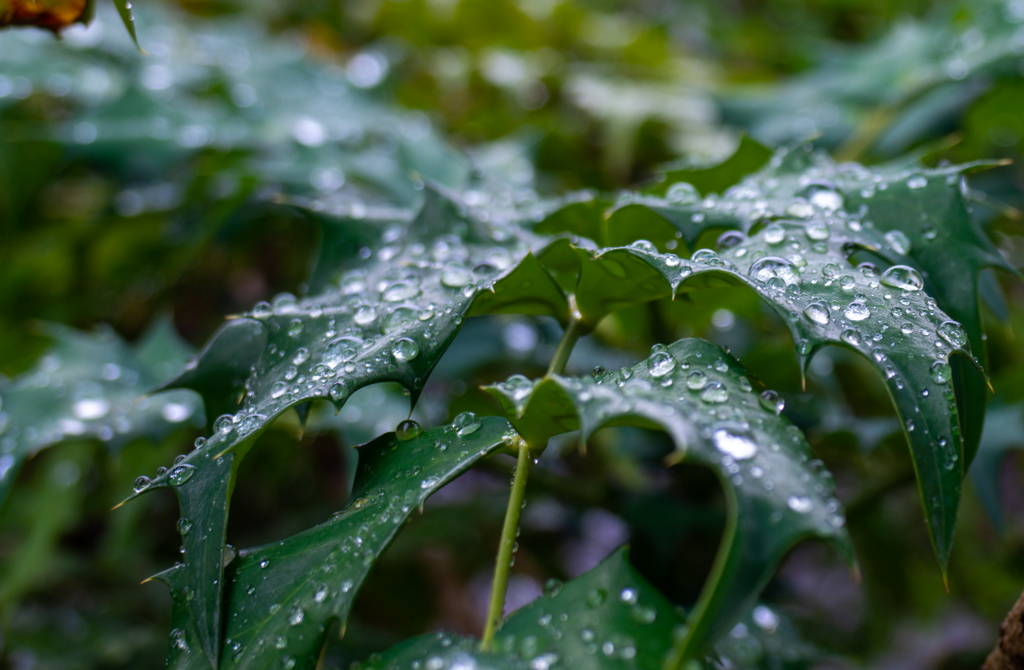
x=124, y=10
x=88, y=385
x=777, y=495
x=387, y=317
x=282, y=597
x=610, y=618
x=749, y=156
x=803, y=230
x=1004, y=430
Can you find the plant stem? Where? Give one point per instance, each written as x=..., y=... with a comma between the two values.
x=508, y=540
x=569, y=337
x=510, y=529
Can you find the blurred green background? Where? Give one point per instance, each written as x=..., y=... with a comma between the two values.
x=133, y=206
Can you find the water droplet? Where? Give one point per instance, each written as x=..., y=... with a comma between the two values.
x=682, y=193
x=772, y=401
x=629, y=596
x=340, y=350
x=466, y=423
x=184, y=525
x=818, y=231
x=295, y=327
x=856, y=311
x=142, y=483
x=714, y=392
x=851, y=337
x=773, y=267
x=774, y=234
x=734, y=443
x=455, y=276
x=818, y=313
x=941, y=372
x=181, y=473
x=899, y=242
x=696, y=380
x=800, y=504
x=917, y=181
x=847, y=282
x=262, y=310
x=730, y=239
x=365, y=315
x=405, y=350
x=553, y=586
x=902, y=277
x=399, y=291
x=822, y=194
x=296, y=616
x=408, y=430
x=953, y=332
x=644, y=245
x=278, y=389
x=660, y=364
x=88, y=409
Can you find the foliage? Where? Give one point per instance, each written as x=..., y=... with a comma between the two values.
x=415, y=279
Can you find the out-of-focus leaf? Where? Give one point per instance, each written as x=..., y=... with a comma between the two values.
x=1004, y=430
x=750, y=156
x=91, y=385
x=777, y=495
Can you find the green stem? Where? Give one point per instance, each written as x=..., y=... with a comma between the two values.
x=508, y=541
x=510, y=529
x=569, y=337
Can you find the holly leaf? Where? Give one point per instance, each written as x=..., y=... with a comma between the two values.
x=90, y=385
x=776, y=493
x=389, y=315
x=282, y=597
x=750, y=156
x=610, y=618
x=795, y=247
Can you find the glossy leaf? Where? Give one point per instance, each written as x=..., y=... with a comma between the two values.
x=282, y=597
x=388, y=317
x=797, y=258
x=88, y=385
x=610, y=618
x=777, y=495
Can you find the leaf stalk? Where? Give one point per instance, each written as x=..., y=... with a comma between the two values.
x=503, y=563
x=569, y=337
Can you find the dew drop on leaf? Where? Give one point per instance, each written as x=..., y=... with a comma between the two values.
x=902, y=277
x=940, y=372
x=405, y=350
x=856, y=311
x=773, y=267
x=142, y=483
x=772, y=401
x=181, y=473
x=953, y=332
x=714, y=392
x=661, y=364
x=682, y=193
x=466, y=423
x=899, y=241
x=800, y=504
x=408, y=430
x=818, y=313
x=734, y=443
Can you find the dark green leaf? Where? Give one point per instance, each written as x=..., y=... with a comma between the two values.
x=89, y=385
x=282, y=597
x=777, y=495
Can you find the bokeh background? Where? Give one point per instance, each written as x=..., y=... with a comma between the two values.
x=136, y=207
